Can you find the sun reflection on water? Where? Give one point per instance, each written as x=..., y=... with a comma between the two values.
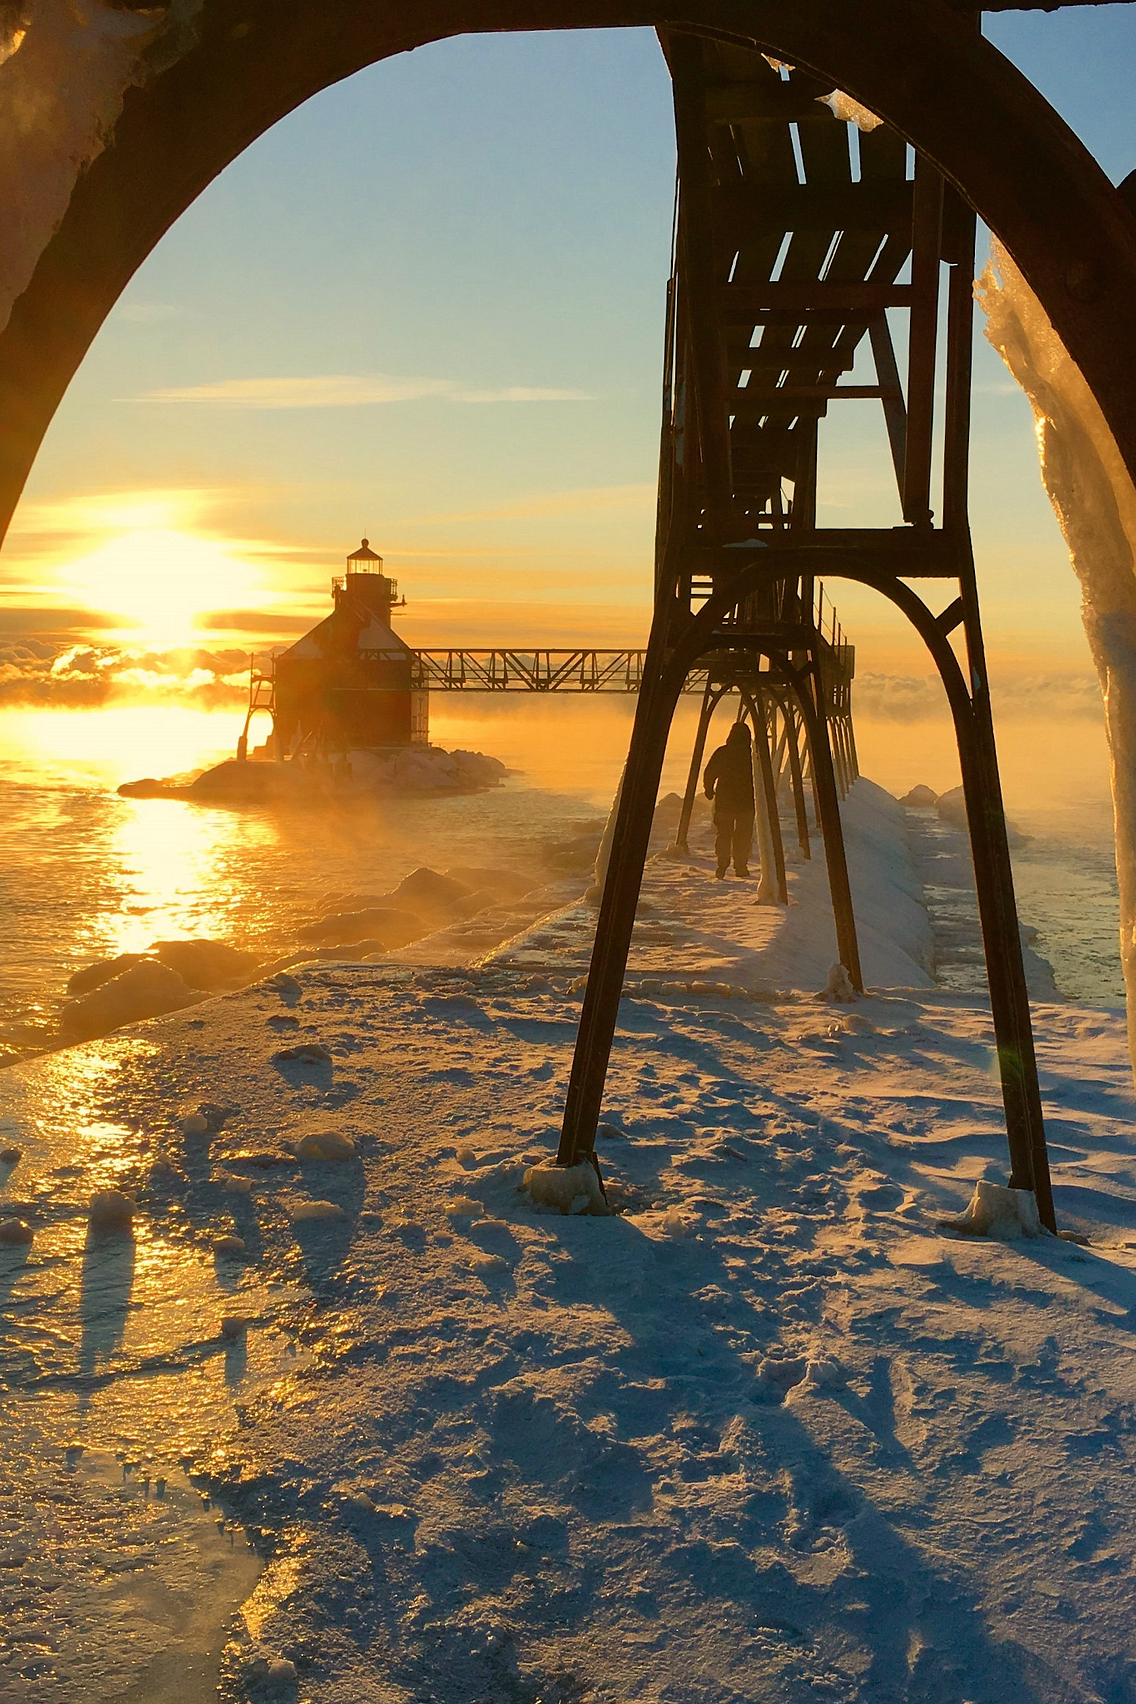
x=120, y=743
x=175, y=862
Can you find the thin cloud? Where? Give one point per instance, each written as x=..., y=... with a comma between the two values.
x=554, y=504
x=346, y=390
x=905, y=698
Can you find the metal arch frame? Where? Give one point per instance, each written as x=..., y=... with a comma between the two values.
x=790, y=707
x=754, y=701
x=663, y=678
x=749, y=685
x=923, y=67
x=788, y=688
x=919, y=64
x=783, y=693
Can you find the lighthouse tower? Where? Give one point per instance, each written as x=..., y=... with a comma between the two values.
x=367, y=585
x=350, y=683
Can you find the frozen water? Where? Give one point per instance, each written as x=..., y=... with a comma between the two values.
x=760, y=1433
x=996, y=1211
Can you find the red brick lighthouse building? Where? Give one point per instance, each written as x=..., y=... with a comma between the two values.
x=349, y=683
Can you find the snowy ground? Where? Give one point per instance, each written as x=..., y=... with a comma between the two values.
x=767, y=1434
x=687, y=919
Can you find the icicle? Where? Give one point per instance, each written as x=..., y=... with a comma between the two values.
x=1094, y=500
x=843, y=107
x=766, y=884
x=603, y=856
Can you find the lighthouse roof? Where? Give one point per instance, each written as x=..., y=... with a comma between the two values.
x=378, y=638
x=340, y=634
x=365, y=554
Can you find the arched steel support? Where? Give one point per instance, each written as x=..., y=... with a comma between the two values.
x=926, y=69
x=790, y=710
x=664, y=675
x=772, y=880
x=827, y=798
x=711, y=699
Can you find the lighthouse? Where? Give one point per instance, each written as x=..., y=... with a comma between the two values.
x=349, y=683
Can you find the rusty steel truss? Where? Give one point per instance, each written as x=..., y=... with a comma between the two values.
x=802, y=242
x=737, y=541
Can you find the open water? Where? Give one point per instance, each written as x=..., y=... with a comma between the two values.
x=85, y=873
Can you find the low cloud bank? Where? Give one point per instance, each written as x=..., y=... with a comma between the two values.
x=351, y=390
x=84, y=677
x=42, y=670
x=915, y=698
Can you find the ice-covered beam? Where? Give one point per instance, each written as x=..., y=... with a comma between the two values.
x=65, y=66
x=119, y=118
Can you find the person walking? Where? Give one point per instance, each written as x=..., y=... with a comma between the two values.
x=728, y=780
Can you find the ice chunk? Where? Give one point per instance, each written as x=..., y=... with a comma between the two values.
x=563, y=1186
x=848, y=111
x=304, y=1052
x=327, y=1145
x=232, y=1183
x=231, y=1245
x=275, y=1672
x=505, y=884
x=999, y=1212
x=464, y=1207
x=204, y=963
x=111, y=1210
x=480, y=1262
x=839, y=985
x=385, y=926
x=951, y=807
x=93, y=976
x=144, y=990
x=822, y=1373
x=781, y=1372
x=304, y=1211
x=426, y=890
x=262, y=1158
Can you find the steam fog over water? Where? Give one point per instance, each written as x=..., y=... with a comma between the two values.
x=85, y=874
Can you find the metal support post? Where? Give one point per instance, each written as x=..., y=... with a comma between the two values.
x=982, y=788
x=798, y=784
x=709, y=705
x=630, y=840
x=1001, y=936
x=828, y=810
x=772, y=887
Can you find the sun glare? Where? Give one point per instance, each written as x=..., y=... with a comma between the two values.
x=160, y=581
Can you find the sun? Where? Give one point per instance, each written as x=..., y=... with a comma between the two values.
x=159, y=581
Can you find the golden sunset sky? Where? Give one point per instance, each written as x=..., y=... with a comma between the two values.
x=428, y=307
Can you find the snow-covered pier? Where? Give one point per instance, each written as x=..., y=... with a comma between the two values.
x=766, y=1431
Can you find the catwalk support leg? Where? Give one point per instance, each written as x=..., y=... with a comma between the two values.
x=828, y=810
x=616, y=920
x=682, y=832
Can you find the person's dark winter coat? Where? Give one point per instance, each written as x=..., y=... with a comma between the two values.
x=728, y=780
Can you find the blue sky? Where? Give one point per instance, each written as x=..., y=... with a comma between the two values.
x=475, y=238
